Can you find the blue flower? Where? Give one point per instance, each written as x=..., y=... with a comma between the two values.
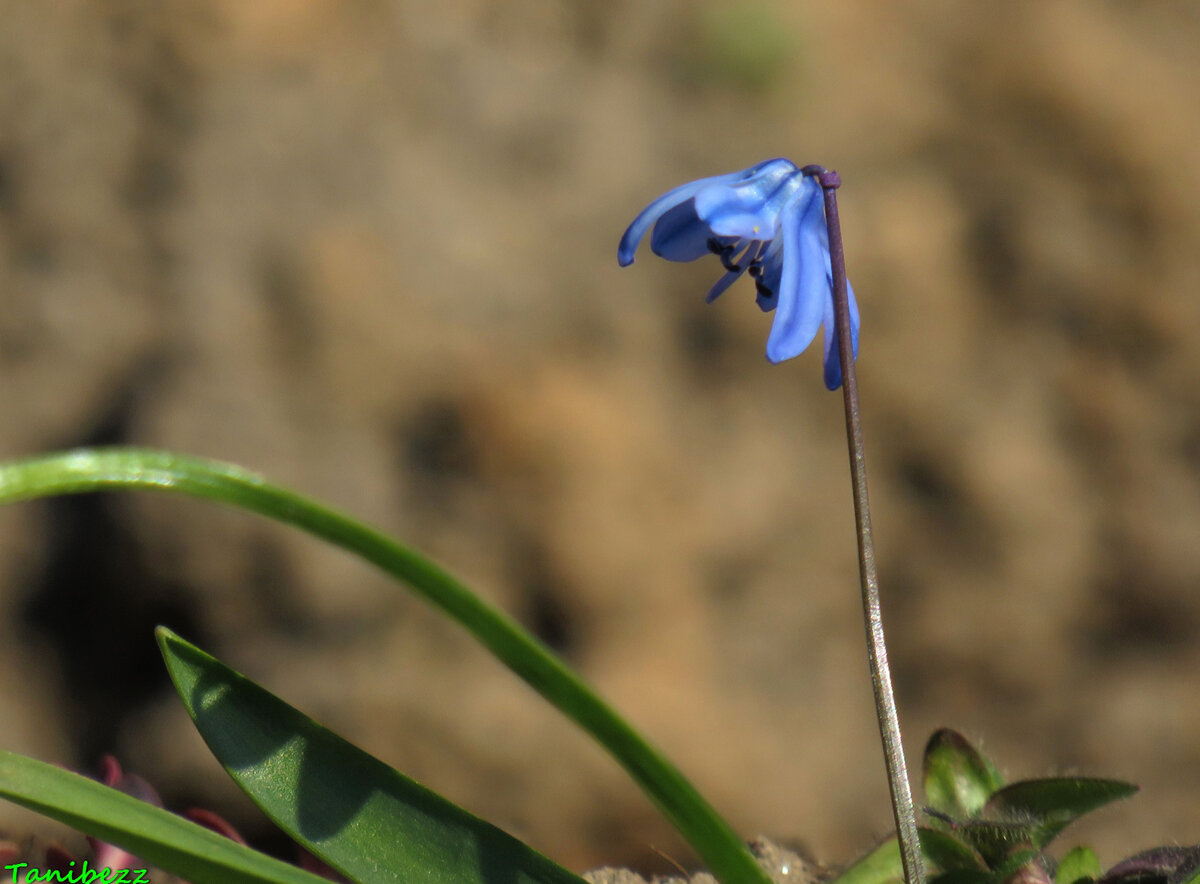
x=768, y=220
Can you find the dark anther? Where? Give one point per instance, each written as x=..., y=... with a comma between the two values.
x=714, y=245
x=756, y=270
x=762, y=288
x=729, y=265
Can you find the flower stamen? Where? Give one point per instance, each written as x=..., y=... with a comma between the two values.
x=725, y=251
x=767, y=220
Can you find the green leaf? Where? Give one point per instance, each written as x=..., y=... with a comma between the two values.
x=996, y=840
x=942, y=851
x=881, y=866
x=109, y=469
x=1026, y=865
x=1048, y=806
x=353, y=811
x=946, y=853
x=1079, y=864
x=159, y=838
x=958, y=778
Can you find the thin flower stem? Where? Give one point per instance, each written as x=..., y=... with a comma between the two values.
x=881, y=676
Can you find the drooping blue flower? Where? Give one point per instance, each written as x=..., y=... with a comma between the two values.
x=768, y=220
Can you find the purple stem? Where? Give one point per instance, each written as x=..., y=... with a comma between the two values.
x=881, y=676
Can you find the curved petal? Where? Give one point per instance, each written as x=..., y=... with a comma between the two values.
x=679, y=235
x=649, y=216
x=833, y=360
x=730, y=277
x=750, y=207
x=804, y=285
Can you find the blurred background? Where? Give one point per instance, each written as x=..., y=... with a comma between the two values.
x=368, y=248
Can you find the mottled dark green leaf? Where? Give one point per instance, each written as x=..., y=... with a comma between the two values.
x=945, y=852
x=1158, y=865
x=1188, y=869
x=964, y=876
x=996, y=840
x=1048, y=806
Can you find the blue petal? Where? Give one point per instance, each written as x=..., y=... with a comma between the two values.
x=650, y=215
x=833, y=362
x=679, y=235
x=803, y=287
x=723, y=283
x=741, y=263
x=749, y=208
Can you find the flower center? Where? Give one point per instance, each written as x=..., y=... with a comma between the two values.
x=751, y=251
